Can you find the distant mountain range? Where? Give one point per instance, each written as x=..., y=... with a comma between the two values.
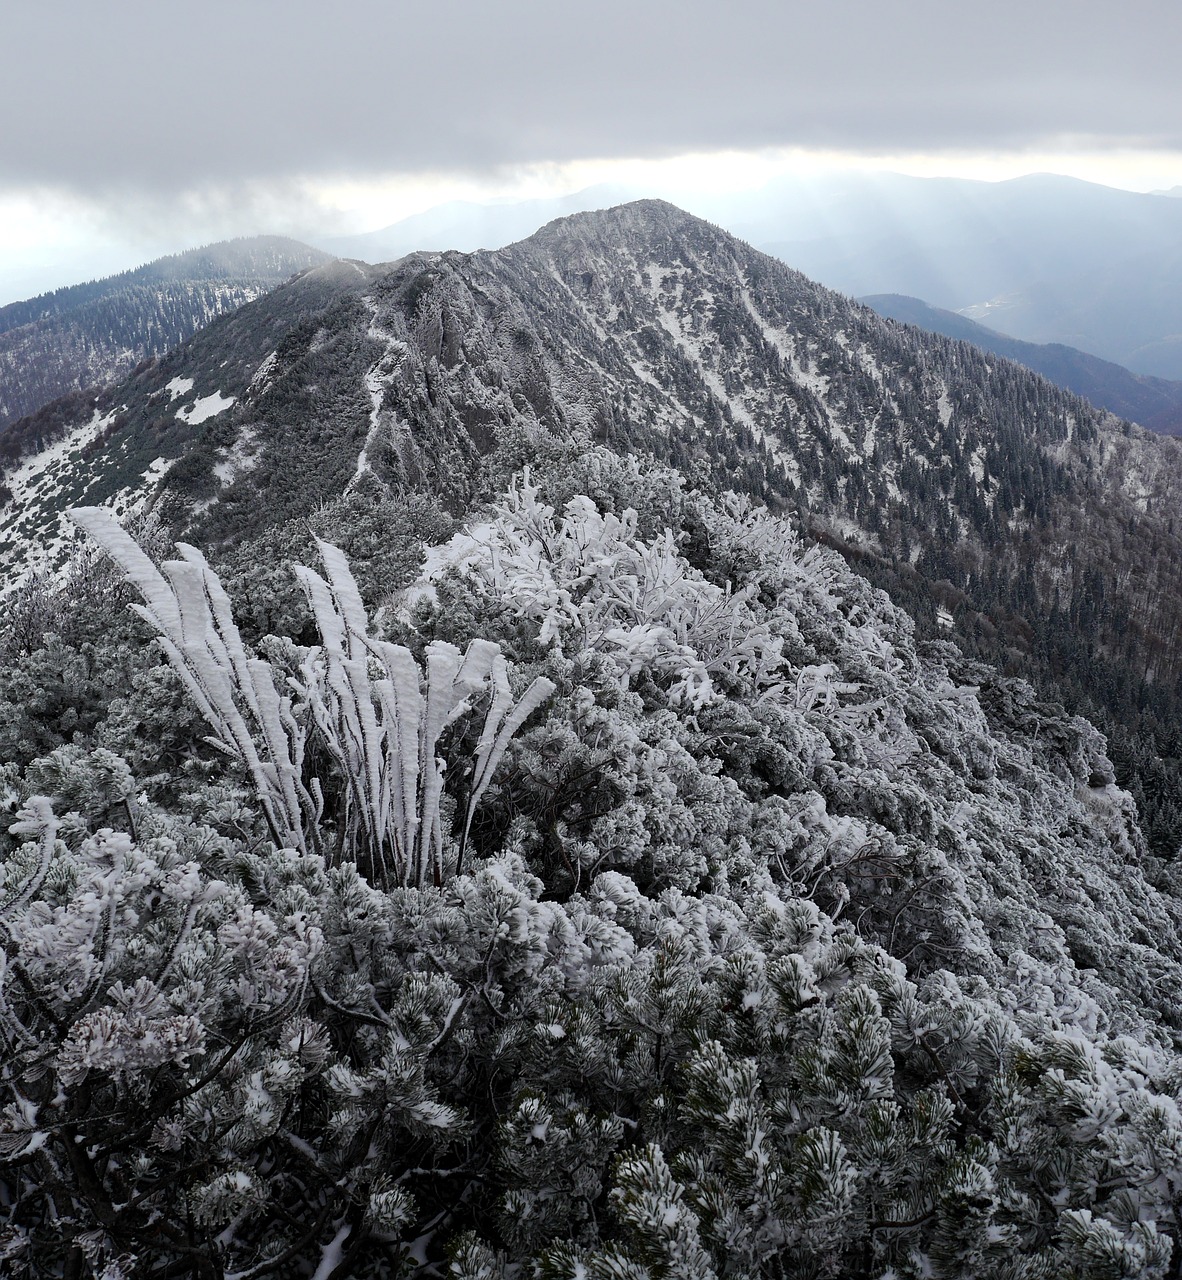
x=1042, y=258
x=1153, y=402
x=91, y=334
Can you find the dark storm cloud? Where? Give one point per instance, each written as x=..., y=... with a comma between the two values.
x=103, y=95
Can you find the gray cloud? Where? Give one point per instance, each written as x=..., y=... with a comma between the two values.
x=136, y=97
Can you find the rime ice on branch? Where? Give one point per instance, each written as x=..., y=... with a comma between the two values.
x=381, y=730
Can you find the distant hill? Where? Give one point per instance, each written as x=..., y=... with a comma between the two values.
x=1044, y=257
x=1153, y=402
x=91, y=334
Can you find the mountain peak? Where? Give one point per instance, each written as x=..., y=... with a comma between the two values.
x=621, y=220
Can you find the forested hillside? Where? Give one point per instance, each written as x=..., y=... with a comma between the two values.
x=1155, y=403
x=91, y=334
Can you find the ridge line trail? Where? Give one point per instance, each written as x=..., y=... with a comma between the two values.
x=375, y=380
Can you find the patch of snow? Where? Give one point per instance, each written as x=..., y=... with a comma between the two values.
x=466, y=548
x=131, y=499
x=580, y=301
x=332, y=1253
x=692, y=345
x=35, y=535
x=241, y=457
x=944, y=407
x=870, y=437
x=838, y=432
x=869, y=363
x=789, y=464
x=781, y=341
x=156, y=469
x=806, y=375
x=377, y=378
x=205, y=408
x=178, y=388
x=844, y=528
x=643, y=374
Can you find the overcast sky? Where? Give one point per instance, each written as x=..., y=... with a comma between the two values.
x=134, y=128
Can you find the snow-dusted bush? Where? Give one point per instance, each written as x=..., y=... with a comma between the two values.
x=146, y=1004
x=847, y=968
x=250, y=1064
x=383, y=732
x=590, y=582
x=235, y=692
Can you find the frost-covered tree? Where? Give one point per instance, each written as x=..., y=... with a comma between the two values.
x=590, y=582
